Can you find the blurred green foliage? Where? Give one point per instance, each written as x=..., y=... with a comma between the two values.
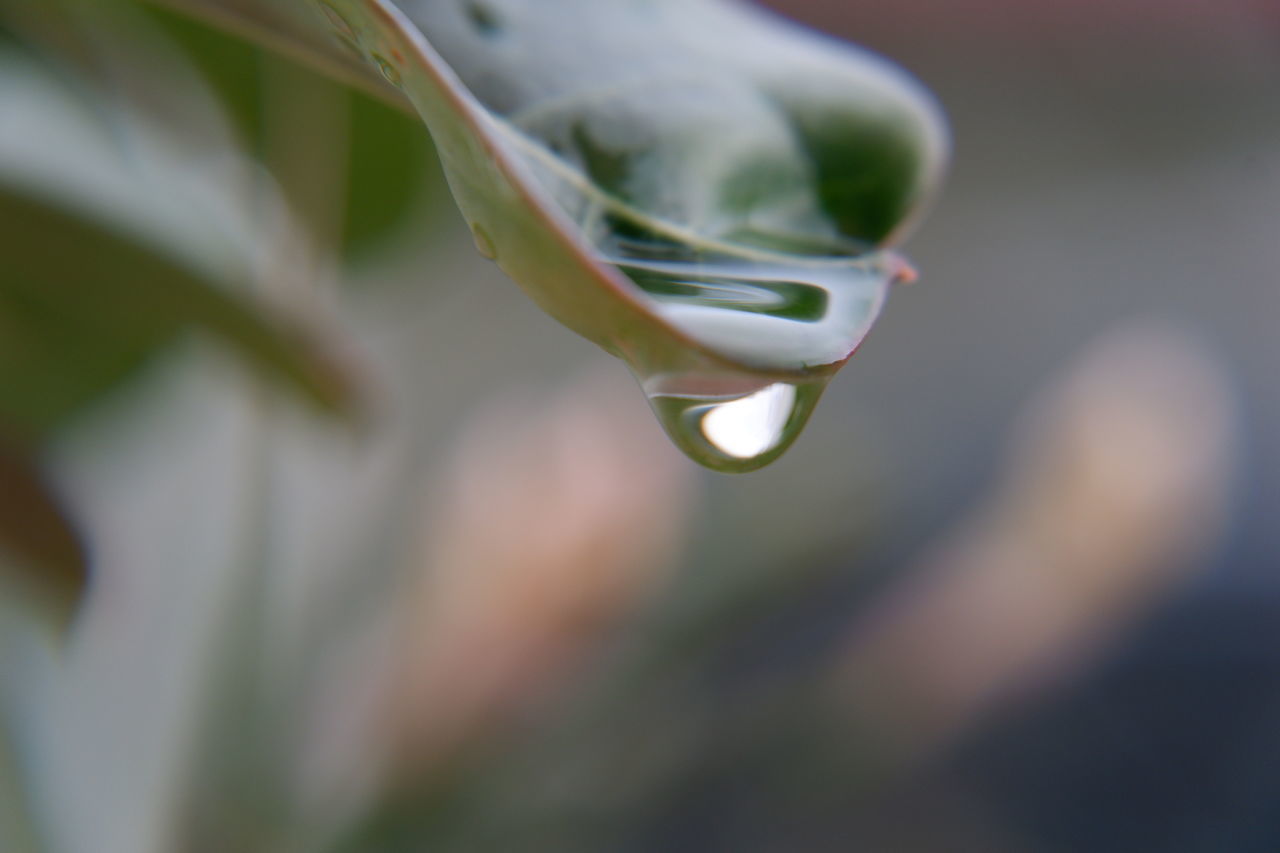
x=390, y=161
x=84, y=302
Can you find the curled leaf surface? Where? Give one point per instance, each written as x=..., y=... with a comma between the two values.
x=699, y=187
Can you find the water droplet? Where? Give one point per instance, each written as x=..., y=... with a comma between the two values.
x=716, y=424
x=787, y=308
x=389, y=72
x=790, y=314
x=339, y=23
x=484, y=243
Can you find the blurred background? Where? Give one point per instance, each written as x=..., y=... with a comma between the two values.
x=381, y=558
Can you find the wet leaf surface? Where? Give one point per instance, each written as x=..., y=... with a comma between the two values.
x=649, y=172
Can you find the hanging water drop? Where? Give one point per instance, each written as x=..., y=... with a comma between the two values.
x=798, y=315
x=389, y=72
x=340, y=24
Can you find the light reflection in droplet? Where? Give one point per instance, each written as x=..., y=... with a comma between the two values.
x=752, y=425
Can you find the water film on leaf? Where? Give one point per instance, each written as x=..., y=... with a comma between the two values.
x=705, y=190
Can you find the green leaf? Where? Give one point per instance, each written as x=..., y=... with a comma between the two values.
x=656, y=175
x=73, y=324
x=119, y=238
x=115, y=244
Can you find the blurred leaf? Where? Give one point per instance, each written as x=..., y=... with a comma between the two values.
x=229, y=64
x=76, y=323
x=388, y=156
x=115, y=244
x=583, y=140
x=171, y=489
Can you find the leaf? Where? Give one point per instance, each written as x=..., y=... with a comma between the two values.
x=118, y=240
x=613, y=99
x=115, y=245
x=171, y=491
x=674, y=180
x=67, y=340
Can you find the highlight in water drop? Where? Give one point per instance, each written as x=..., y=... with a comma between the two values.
x=750, y=426
x=729, y=423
